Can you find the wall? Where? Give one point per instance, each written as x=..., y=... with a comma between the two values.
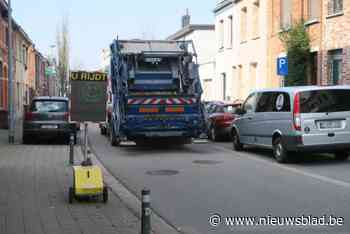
x=252, y=51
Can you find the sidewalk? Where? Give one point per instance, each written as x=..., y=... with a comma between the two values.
x=33, y=197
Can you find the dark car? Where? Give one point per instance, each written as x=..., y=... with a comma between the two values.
x=48, y=117
x=220, y=119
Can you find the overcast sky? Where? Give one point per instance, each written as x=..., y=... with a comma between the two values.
x=94, y=24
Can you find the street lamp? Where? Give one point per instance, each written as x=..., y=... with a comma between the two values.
x=11, y=109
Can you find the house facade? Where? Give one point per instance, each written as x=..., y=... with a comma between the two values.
x=327, y=22
x=226, y=58
x=251, y=45
x=203, y=38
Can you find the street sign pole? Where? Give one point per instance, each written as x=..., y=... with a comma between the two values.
x=11, y=111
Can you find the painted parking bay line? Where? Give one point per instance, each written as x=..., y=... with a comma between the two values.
x=289, y=168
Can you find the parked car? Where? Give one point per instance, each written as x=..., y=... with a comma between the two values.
x=219, y=120
x=48, y=117
x=296, y=119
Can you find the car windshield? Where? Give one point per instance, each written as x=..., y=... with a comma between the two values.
x=319, y=101
x=49, y=106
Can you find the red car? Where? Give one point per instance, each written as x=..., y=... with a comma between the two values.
x=220, y=119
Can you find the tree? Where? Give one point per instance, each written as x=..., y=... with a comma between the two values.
x=62, y=40
x=297, y=44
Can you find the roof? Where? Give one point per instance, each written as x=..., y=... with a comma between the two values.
x=222, y=4
x=303, y=88
x=141, y=46
x=189, y=29
x=22, y=32
x=51, y=98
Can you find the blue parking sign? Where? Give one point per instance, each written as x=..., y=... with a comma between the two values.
x=282, y=66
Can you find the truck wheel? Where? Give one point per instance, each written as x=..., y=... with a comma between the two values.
x=105, y=195
x=279, y=152
x=115, y=141
x=237, y=145
x=70, y=195
x=341, y=156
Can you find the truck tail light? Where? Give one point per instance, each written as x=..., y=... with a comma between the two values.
x=175, y=109
x=296, y=113
x=148, y=110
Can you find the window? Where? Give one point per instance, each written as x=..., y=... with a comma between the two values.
x=320, y=101
x=314, y=9
x=255, y=29
x=221, y=34
x=249, y=104
x=253, y=75
x=154, y=64
x=335, y=7
x=286, y=14
x=49, y=106
x=223, y=75
x=273, y=102
x=335, y=66
x=230, y=30
x=244, y=24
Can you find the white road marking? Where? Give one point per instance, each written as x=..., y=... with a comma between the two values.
x=291, y=169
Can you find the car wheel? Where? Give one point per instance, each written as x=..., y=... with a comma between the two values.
x=237, y=145
x=279, y=152
x=213, y=134
x=341, y=156
x=103, y=131
x=25, y=139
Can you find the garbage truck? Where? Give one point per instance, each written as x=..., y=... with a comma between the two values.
x=155, y=91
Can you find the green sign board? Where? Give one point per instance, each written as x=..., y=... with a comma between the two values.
x=88, y=96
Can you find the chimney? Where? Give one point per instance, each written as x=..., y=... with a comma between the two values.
x=186, y=19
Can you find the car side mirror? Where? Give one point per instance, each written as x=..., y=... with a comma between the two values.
x=240, y=111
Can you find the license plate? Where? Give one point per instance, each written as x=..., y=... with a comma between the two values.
x=49, y=126
x=330, y=124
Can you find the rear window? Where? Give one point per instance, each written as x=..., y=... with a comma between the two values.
x=49, y=106
x=226, y=109
x=319, y=101
x=154, y=65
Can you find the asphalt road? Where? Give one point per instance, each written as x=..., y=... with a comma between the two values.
x=210, y=178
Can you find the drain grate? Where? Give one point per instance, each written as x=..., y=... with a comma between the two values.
x=162, y=172
x=207, y=162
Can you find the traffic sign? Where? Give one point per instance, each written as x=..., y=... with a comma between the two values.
x=88, y=96
x=282, y=66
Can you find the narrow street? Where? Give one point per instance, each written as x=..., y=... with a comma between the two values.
x=188, y=184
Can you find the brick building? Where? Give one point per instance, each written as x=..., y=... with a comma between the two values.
x=328, y=23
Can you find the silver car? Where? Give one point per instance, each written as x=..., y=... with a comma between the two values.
x=296, y=119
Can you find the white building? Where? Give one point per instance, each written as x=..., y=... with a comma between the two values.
x=226, y=56
x=203, y=37
x=241, y=43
